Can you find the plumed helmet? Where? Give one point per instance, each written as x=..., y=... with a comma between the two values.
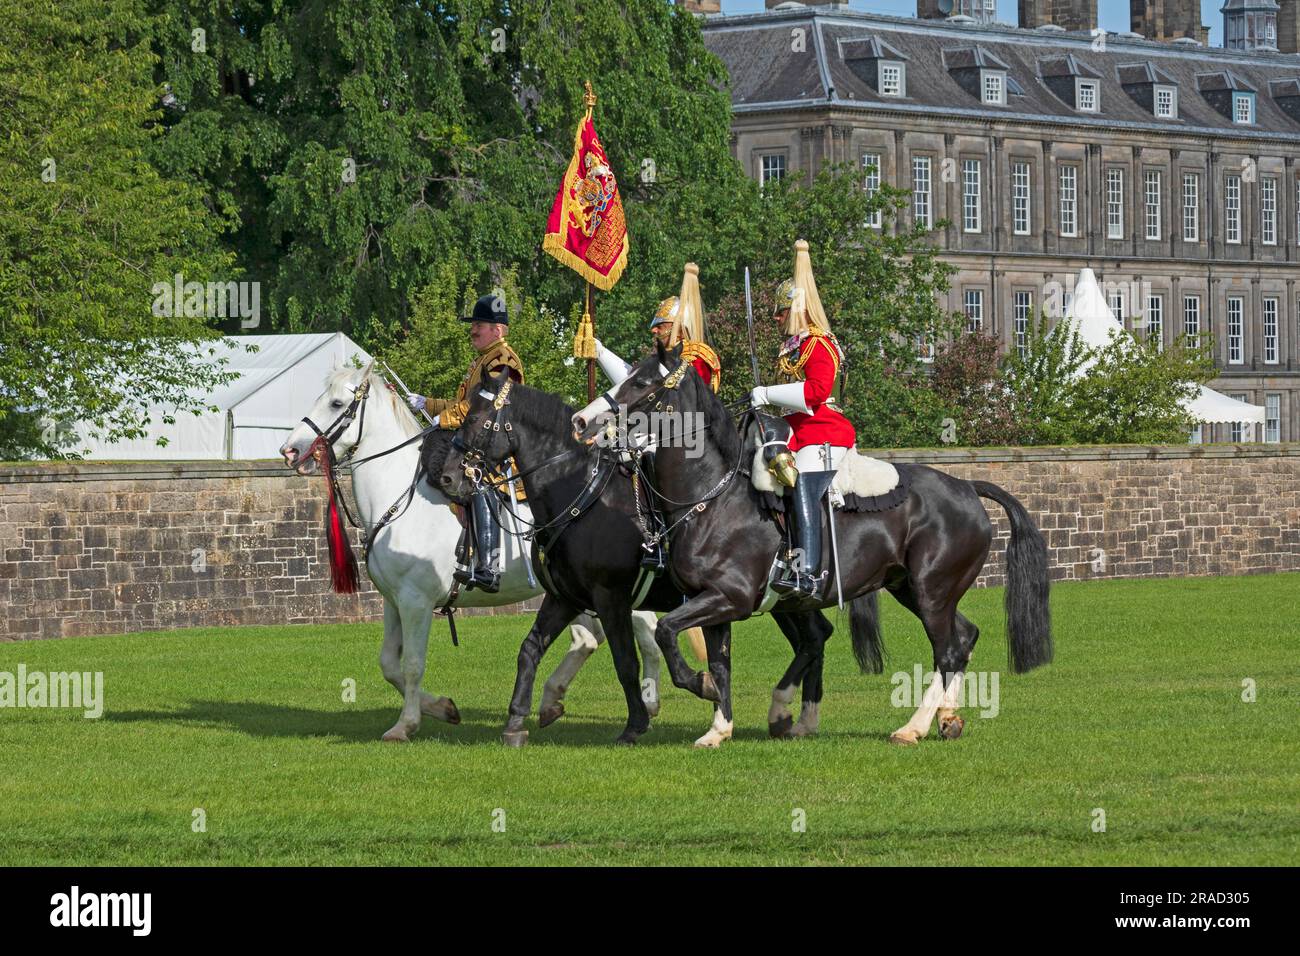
x=667, y=311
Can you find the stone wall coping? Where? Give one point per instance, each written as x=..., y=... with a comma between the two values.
x=74, y=471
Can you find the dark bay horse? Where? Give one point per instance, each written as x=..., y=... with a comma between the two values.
x=926, y=551
x=587, y=544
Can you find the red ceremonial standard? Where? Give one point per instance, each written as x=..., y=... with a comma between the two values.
x=586, y=229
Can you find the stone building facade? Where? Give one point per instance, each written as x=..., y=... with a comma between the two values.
x=1169, y=168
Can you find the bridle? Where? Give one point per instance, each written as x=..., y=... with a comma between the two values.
x=478, y=471
x=323, y=447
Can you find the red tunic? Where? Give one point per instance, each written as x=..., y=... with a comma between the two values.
x=818, y=365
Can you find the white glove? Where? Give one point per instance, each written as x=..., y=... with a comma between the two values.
x=417, y=401
x=789, y=396
x=436, y=418
x=615, y=369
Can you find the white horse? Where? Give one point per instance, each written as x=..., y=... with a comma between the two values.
x=412, y=560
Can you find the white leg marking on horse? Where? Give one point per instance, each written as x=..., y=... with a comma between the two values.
x=720, y=731
x=919, y=725
x=951, y=698
x=780, y=704
x=808, y=720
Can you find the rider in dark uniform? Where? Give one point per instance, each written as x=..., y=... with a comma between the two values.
x=487, y=333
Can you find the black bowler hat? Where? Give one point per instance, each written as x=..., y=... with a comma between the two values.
x=489, y=308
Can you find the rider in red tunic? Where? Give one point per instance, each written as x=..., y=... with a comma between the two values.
x=679, y=318
x=809, y=366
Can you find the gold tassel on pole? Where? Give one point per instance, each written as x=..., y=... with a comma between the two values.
x=584, y=341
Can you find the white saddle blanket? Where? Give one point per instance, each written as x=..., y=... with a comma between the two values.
x=856, y=475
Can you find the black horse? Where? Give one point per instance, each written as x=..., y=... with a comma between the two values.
x=587, y=546
x=926, y=551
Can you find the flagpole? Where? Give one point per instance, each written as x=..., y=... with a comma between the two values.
x=589, y=100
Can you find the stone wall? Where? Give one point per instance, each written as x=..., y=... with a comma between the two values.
x=98, y=548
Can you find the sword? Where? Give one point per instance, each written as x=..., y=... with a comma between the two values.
x=830, y=520
x=402, y=386
x=749, y=323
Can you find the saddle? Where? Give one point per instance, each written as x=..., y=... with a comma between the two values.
x=861, y=483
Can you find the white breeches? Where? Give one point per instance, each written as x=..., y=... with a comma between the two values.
x=813, y=458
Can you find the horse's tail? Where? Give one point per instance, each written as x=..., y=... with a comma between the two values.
x=1029, y=618
x=864, y=626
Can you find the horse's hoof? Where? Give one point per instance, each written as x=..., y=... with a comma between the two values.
x=709, y=689
x=904, y=738
x=550, y=714
x=397, y=735
x=781, y=727
x=652, y=708
x=950, y=728
x=627, y=738
x=515, y=738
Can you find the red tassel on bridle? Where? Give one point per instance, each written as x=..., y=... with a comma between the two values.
x=344, y=575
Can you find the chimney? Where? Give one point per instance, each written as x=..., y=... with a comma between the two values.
x=1168, y=20
x=1074, y=15
x=1288, y=26
x=701, y=7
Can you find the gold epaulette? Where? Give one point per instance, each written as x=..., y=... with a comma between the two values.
x=791, y=369
x=692, y=350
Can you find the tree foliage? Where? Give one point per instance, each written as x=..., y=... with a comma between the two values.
x=87, y=227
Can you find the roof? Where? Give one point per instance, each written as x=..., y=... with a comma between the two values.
x=773, y=68
x=275, y=354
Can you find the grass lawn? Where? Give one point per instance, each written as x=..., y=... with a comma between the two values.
x=1141, y=716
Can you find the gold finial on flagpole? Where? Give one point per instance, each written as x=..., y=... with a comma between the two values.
x=589, y=98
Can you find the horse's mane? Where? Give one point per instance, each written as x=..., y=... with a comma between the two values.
x=721, y=428
x=542, y=410
x=379, y=389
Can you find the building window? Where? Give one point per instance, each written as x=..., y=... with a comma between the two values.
x=1192, y=319
x=1243, y=108
x=1116, y=304
x=973, y=305
x=1114, y=203
x=771, y=168
x=1191, y=207
x=970, y=195
x=1069, y=200
x=891, y=79
x=1195, y=437
x=1232, y=209
x=1166, y=102
x=871, y=183
x=921, y=191
x=1270, y=331
x=1020, y=198
x=1156, y=320
x=1151, y=190
x=1268, y=210
x=1086, y=96
x=1235, y=431
x=1273, y=417
x=1023, y=308
x=993, y=87
x=1235, y=310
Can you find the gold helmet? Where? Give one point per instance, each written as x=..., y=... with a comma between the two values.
x=799, y=295
x=666, y=312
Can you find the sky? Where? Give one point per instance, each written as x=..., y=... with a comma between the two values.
x=1112, y=13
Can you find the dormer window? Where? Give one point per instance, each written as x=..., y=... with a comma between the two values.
x=1166, y=102
x=993, y=87
x=1086, y=96
x=1243, y=108
x=891, y=79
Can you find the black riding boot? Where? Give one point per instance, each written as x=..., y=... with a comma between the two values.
x=801, y=572
x=486, y=531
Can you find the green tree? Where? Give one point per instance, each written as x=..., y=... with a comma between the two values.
x=87, y=227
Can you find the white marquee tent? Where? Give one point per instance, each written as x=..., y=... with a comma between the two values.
x=1096, y=324
x=277, y=385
